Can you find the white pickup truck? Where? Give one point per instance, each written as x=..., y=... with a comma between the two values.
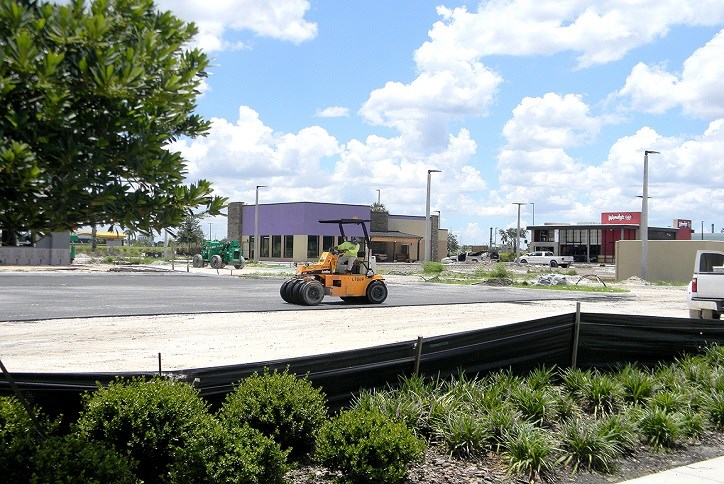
x=545, y=258
x=706, y=289
x=465, y=257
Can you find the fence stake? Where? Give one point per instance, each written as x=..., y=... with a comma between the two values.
x=418, y=355
x=577, y=329
x=21, y=399
x=159, y=364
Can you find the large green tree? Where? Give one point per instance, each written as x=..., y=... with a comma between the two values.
x=91, y=95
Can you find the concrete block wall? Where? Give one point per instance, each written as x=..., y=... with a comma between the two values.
x=669, y=260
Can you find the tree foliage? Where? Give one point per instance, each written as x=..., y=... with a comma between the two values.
x=378, y=207
x=190, y=231
x=452, y=243
x=91, y=96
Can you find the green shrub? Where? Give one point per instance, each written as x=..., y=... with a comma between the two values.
x=432, y=267
x=71, y=459
x=367, y=446
x=281, y=405
x=148, y=419
x=586, y=443
x=18, y=438
x=499, y=271
x=236, y=455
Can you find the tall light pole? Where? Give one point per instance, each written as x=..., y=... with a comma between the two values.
x=644, y=227
x=533, y=203
x=378, y=196
x=428, y=230
x=256, y=223
x=517, y=234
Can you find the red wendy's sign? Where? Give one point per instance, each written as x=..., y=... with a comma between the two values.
x=621, y=218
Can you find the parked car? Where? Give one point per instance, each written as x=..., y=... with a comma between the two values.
x=545, y=258
x=705, y=295
x=464, y=257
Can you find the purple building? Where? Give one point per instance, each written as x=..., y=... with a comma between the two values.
x=292, y=232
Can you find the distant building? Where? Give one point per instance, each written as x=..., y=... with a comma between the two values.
x=292, y=232
x=597, y=242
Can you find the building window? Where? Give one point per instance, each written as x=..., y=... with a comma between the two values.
x=288, y=246
x=312, y=246
x=264, y=249
x=327, y=242
x=251, y=247
x=276, y=246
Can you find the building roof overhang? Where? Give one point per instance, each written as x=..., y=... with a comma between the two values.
x=393, y=236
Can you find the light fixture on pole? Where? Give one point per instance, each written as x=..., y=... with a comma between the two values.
x=428, y=230
x=256, y=223
x=533, y=203
x=517, y=233
x=644, y=228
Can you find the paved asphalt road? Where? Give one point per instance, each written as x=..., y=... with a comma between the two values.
x=33, y=296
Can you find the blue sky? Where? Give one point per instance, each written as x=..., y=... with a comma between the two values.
x=552, y=103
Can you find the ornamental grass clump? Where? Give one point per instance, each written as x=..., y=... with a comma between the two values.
x=537, y=406
x=713, y=407
x=528, y=450
x=368, y=447
x=586, y=443
x=147, y=419
x=637, y=386
x=464, y=434
x=660, y=428
x=602, y=394
x=280, y=405
x=574, y=381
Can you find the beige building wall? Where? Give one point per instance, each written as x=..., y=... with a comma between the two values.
x=669, y=260
x=417, y=227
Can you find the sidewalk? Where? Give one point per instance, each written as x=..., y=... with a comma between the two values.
x=706, y=472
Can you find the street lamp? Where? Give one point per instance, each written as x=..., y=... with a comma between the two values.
x=428, y=230
x=378, y=196
x=645, y=217
x=533, y=203
x=517, y=234
x=256, y=223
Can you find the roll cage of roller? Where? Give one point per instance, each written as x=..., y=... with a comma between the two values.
x=314, y=280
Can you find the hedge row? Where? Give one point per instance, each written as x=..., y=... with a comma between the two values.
x=162, y=431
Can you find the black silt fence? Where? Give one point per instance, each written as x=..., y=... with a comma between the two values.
x=599, y=340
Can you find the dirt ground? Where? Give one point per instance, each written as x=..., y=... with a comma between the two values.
x=115, y=344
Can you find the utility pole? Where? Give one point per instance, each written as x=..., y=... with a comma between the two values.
x=644, y=228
